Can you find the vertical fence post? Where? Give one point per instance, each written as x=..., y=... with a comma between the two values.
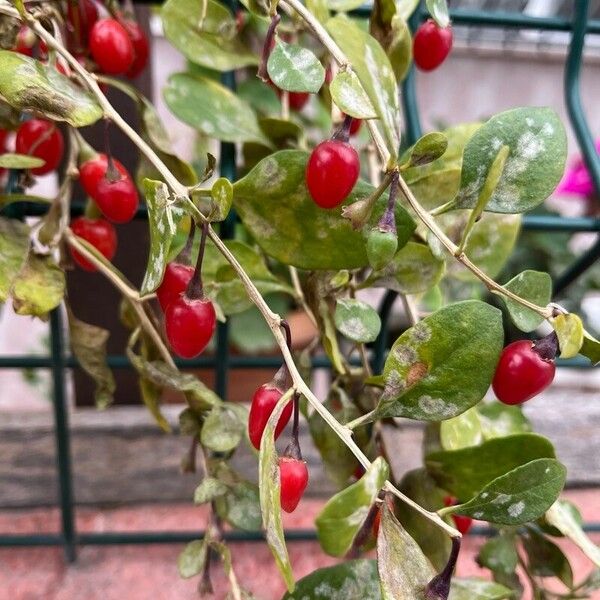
x=61, y=432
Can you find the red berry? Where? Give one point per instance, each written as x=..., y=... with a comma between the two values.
x=92, y=171
x=293, y=479
x=3, y=136
x=264, y=401
x=118, y=200
x=100, y=234
x=43, y=139
x=81, y=17
x=463, y=524
x=376, y=523
x=111, y=47
x=141, y=48
x=331, y=172
x=25, y=41
x=298, y=100
x=174, y=283
x=355, y=126
x=358, y=472
x=431, y=45
x=521, y=373
x=189, y=324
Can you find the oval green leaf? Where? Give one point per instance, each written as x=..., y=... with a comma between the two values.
x=192, y=559
x=30, y=85
x=20, y=161
x=274, y=204
x=348, y=94
x=521, y=495
x=209, y=489
x=357, y=320
x=443, y=365
x=533, y=286
x=462, y=431
x=223, y=428
x=427, y=149
x=344, y=514
x=222, y=197
x=590, y=348
x=14, y=246
x=465, y=472
x=499, y=420
x=546, y=559
x=213, y=109
x=478, y=589
x=569, y=330
x=295, y=69
x=537, y=146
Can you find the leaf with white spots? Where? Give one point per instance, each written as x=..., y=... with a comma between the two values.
x=533, y=286
x=224, y=427
x=270, y=502
x=295, y=69
x=222, y=198
x=373, y=68
x=559, y=516
x=350, y=580
x=478, y=589
x=537, y=146
x=275, y=206
x=443, y=365
x=211, y=42
x=350, y=97
x=357, y=320
x=521, y=495
x=192, y=559
x=163, y=217
x=463, y=473
x=213, y=109
x=344, y=514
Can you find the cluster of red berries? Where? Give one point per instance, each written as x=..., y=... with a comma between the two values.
x=431, y=45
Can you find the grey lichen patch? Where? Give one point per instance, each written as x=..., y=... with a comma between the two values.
x=405, y=355
x=436, y=406
x=421, y=332
x=394, y=386
x=514, y=510
x=501, y=499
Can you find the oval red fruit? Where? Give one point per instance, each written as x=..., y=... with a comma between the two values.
x=118, y=200
x=355, y=126
x=331, y=172
x=293, y=479
x=141, y=48
x=111, y=47
x=431, y=45
x=94, y=169
x=43, y=139
x=264, y=401
x=100, y=234
x=298, y=100
x=521, y=373
x=81, y=17
x=174, y=283
x=189, y=324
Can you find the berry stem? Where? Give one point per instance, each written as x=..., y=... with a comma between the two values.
x=288, y=333
x=439, y=587
x=388, y=219
x=547, y=347
x=266, y=51
x=112, y=174
x=293, y=448
x=342, y=134
x=185, y=256
x=195, y=289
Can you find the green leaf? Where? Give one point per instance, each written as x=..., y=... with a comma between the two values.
x=163, y=217
x=533, y=286
x=270, y=503
x=20, y=161
x=14, y=247
x=240, y=506
x=438, y=9
x=260, y=96
x=223, y=428
x=208, y=490
x=427, y=149
x=193, y=558
x=404, y=571
x=275, y=206
x=39, y=287
x=499, y=554
x=344, y=514
x=357, y=320
x=499, y=420
x=320, y=9
x=212, y=108
x=521, y=495
x=295, y=69
x=222, y=197
x=344, y=5
x=281, y=132
x=590, y=347
x=443, y=365
x=546, y=559
x=462, y=431
x=421, y=488
x=477, y=589
x=215, y=43
x=348, y=94
x=88, y=343
x=399, y=47
x=413, y=269
x=463, y=473
x=569, y=330
x=373, y=68
x=559, y=516
x=535, y=164
x=350, y=580
x=30, y=85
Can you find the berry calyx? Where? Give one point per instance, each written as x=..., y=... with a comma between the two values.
x=111, y=47
x=293, y=479
x=463, y=524
x=189, y=325
x=524, y=371
x=141, y=48
x=43, y=139
x=176, y=279
x=264, y=401
x=431, y=45
x=331, y=172
x=100, y=234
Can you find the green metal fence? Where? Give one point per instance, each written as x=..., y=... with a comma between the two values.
x=59, y=360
